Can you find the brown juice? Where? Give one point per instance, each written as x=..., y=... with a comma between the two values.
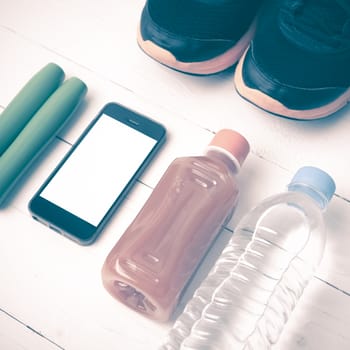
x=151, y=264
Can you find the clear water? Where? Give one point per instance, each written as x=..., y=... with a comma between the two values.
x=252, y=289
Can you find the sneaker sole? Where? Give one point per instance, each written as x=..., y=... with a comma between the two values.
x=271, y=105
x=211, y=66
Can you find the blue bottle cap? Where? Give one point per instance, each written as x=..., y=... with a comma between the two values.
x=320, y=183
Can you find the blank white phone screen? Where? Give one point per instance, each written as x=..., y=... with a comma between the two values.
x=97, y=171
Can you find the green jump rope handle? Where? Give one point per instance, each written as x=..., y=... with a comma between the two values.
x=25, y=104
x=38, y=132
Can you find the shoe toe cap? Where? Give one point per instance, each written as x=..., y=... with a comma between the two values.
x=293, y=97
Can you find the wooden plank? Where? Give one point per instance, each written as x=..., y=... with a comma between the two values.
x=52, y=285
x=15, y=335
x=320, y=320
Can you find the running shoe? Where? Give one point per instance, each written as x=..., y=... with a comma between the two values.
x=197, y=36
x=298, y=63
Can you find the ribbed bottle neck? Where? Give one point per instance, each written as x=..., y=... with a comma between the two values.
x=319, y=198
x=225, y=156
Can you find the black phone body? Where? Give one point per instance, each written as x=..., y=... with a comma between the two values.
x=96, y=174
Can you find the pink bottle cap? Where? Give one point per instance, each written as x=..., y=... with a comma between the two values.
x=233, y=142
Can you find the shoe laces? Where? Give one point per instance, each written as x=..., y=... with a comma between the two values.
x=320, y=25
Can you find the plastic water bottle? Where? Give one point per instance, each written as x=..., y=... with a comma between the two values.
x=152, y=262
x=255, y=284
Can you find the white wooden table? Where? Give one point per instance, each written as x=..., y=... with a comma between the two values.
x=51, y=295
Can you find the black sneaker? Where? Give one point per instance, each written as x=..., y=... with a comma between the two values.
x=197, y=36
x=298, y=63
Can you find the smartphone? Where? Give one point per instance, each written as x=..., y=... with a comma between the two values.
x=95, y=176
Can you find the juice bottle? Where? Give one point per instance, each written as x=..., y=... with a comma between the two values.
x=152, y=262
